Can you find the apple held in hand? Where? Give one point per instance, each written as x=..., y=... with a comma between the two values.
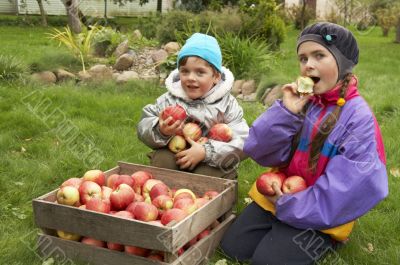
x=177, y=144
x=176, y=112
x=192, y=130
x=68, y=195
x=294, y=184
x=264, y=182
x=95, y=175
x=220, y=132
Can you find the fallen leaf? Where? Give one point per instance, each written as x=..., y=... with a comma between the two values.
x=27, y=139
x=370, y=247
x=221, y=262
x=247, y=200
x=23, y=150
x=395, y=172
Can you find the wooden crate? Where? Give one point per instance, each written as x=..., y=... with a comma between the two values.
x=50, y=216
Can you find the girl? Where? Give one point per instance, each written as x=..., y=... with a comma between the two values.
x=332, y=140
x=201, y=85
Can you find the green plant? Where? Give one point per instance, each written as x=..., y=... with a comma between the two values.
x=173, y=21
x=105, y=40
x=11, y=68
x=246, y=58
x=79, y=45
x=386, y=19
x=300, y=17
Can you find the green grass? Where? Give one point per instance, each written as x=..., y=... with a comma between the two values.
x=35, y=157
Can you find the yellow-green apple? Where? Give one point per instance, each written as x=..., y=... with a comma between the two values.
x=138, y=251
x=93, y=242
x=177, y=144
x=111, y=180
x=265, y=180
x=163, y=202
x=140, y=177
x=184, y=193
x=177, y=113
x=186, y=204
x=89, y=190
x=126, y=179
x=106, y=192
x=294, y=184
x=122, y=196
x=124, y=214
x=98, y=205
x=95, y=175
x=148, y=186
x=159, y=189
x=68, y=235
x=76, y=182
x=211, y=194
x=203, y=140
x=145, y=212
x=173, y=214
x=115, y=246
x=220, y=132
x=68, y=195
x=192, y=130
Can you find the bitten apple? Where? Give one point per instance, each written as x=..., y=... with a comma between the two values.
x=264, y=182
x=220, y=132
x=294, y=184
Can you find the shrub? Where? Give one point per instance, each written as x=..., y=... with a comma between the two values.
x=173, y=21
x=386, y=20
x=11, y=68
x=298, y=18
x=105, y=40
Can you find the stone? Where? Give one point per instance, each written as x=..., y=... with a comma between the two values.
x=124, y=62
x=273, y=94
x=45, y=77
x=237, y=87
x=127, y=76
x=250, y=98
x=172, y=47
x=248, y=87
x=63, y=75
x=159, y=56
x=122, y=48
x=100, y=72
x=137, y=34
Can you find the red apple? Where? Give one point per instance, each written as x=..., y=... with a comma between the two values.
x=163, y=202
x=122, y=196
x=138, y=251
x=184, y=193
x=111, y=180
x=93, y=242
x=98, y=205
x=177, y=144
x=148, y=186
x=138, y=198
x=145, y=212
x=176, y=112
x=203, y=140
x=126, y=179
x=159, y=189
x=173, y=214
x=265, y=180
x=140, y=177
x=124, y=214
x=220, y=132
x=89, y=190
x=68, y=195
x=200, y=202
x=76, y=182
x=186, y=204
x=294, y=184
x=156, y=256
x=192, y=130
x=115, y=246
x=131, y=208
x=211, y=194
x=106, y=192
x=95, y=176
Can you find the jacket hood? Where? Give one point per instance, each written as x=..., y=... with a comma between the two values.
x=224, y=86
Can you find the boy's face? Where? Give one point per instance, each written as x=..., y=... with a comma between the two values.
x=318, y=63
x=197, y=77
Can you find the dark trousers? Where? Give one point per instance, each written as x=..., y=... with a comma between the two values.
x=166, y=159
x=259, y=237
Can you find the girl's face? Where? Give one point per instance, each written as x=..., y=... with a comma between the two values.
x=197, y=77
x=318, y=63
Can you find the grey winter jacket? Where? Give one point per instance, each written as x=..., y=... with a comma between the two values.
x=217, y=106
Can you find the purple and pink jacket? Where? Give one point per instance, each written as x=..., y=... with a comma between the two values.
x=350, y=178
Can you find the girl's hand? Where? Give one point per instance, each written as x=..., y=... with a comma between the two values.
x=189, y=158
x=278, y=194
x=291, y=100
x=169, y=130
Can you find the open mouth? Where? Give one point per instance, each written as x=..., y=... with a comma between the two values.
x=315, y=79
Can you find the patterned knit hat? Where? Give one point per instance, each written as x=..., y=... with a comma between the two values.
x=338, y=40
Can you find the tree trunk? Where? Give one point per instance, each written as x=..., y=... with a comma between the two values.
x=42, y=13
x=159, y=6
x=73, y=15
x=303, y=14
x=398, y=30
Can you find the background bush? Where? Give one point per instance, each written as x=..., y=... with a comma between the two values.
x=11, y=68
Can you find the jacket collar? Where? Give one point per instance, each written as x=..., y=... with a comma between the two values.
x=330, y=98
x=173, y=84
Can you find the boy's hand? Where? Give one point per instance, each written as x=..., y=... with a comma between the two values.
x=278, y=194
x=292, y=101
x=189, y=158
x=172, y=129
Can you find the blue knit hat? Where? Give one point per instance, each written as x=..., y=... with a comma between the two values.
x=204, y=46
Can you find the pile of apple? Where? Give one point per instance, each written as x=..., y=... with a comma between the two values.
x=219, y=132
x=287, y=185
x=138, y=196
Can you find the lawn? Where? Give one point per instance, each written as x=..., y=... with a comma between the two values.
x=36, y=155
